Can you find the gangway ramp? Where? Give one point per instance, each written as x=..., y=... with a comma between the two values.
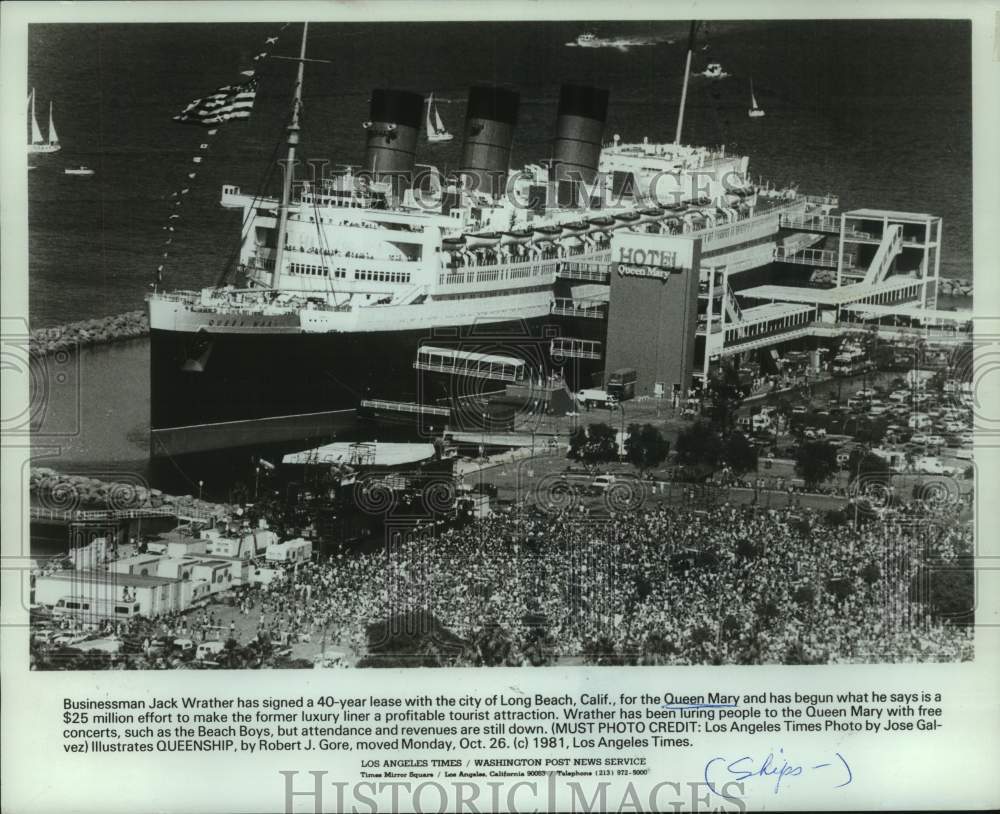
x=895, y=289
x=888, y=250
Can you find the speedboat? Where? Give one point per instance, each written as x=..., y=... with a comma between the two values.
x=81, y=170
x=714, y=71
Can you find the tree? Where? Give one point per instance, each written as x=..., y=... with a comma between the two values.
x=871, y=431
x=598, y=444
x=723, y=396
x=645, y=446
x=577, y=441
x=868, y=468
x=413, y=639
x=740, y=455
x=815, y=462
x=950, y=592
x=699, y=444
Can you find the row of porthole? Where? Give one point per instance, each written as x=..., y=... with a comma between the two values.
x=232, y=323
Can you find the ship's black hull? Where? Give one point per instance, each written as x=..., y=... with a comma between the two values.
x=202, y=380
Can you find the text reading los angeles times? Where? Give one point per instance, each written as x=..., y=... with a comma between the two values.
x=438, y=724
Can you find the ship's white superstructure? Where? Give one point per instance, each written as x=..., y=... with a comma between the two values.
x=355, y=260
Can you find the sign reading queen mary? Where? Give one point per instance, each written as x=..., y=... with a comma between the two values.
x=651, y=256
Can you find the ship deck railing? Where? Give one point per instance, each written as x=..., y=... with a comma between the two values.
x=405, y=407
x=475, y=371
x=457, y=362
x=822, y=200
x=830, y=224
x=737, y=341
x=569, y=307
x=820, y=258
x=293, y=302
x=100, y=515
x=576, y=348
x=580, y=270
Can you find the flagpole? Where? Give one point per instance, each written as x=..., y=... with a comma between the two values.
x=684, y=87
x=293, y=140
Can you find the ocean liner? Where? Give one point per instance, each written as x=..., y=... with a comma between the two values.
x=392, y=285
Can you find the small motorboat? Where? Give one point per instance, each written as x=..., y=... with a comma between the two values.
x=81, y=170
x=714, y=71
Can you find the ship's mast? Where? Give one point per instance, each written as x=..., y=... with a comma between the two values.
x=684, y=89
x=293, y=140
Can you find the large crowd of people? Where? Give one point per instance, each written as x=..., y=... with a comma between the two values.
x=663, y=584
x=660, y=586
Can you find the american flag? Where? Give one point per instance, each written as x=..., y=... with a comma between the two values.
x=229, y=102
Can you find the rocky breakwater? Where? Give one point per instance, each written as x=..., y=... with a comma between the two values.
x=66, y=493
x=102, y=331
x=955, y=287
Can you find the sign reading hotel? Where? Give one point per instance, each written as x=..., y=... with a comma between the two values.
x=652, y=256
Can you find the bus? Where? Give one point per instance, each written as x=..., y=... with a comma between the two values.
x=621, y=383
x=851, y=363
x=90, y=609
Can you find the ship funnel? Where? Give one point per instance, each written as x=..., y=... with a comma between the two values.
x=489, y=132
x=391, y=136
x=576, y=148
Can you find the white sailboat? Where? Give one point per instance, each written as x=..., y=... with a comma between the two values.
x=755, y=112
x=436, y=131
x=38, y=144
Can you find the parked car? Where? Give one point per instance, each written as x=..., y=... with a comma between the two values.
x=69, y=639
x=932, y=466
x=919, y=438
x=935, y=440
x=46, y=636
x=602, y=483
x=208, y=649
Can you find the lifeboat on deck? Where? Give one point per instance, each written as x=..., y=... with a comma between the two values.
x=651, y=213
x=574, y=229
x=481, y=239
x=625, y=218
x=516, y=238
x=547, y=232
x=453, y=244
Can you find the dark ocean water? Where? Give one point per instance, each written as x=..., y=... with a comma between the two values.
x=878, y=112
